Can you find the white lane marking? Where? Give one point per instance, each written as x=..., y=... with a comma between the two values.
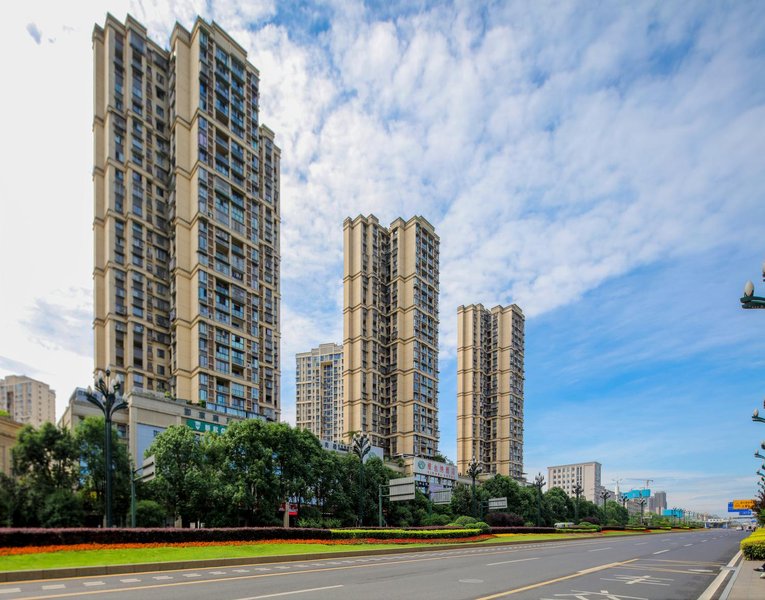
x=504, y=562
x=162, y=577
x=718, y=581
x=703, y=541
x=686, y=545
x=240, y=570
x=633, y=579
x=192, y=575
x=599, y=549
x=702, y=570
x=10, y=590
x=263, y=569
x=641, y=544
x=329, y=587
x=131, y=580
x=661, y=551
x=90, y=583
x=217, y=572
x=281, y=568
x=55, y=586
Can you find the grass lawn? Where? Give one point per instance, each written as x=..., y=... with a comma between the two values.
x=87, y=558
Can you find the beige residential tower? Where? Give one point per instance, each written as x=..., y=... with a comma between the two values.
x=186, y=219
x=27, y=400
x=390, y=334
x=490, y=346
x=319, y=391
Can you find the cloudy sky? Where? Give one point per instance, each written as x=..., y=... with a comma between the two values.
x=599, y=164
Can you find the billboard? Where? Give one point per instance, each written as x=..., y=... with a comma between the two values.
x=672, y=512
x=635, y=494
x=743, y=504
x=433, y=468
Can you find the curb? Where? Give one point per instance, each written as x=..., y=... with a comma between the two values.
x=96, y=571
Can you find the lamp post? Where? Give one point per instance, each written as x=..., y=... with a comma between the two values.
x=623, y=499
x=749, y=300
x=604, y=494
x=361, y=447
x=539, y=481
x=472, y=471
x=577, y=492
x=642, y=502
x=107, y=399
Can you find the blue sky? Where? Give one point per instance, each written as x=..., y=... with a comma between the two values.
x=598, y=164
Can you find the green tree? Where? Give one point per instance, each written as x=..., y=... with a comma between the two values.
x=615, y=514
x=559, y=507
x=149, y=513
x=182, y=481
x=89, y=437
x=11, y=502
x=45, y=462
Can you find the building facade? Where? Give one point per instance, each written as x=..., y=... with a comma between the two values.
x=390, y=334
x=567, y=477
x=186, y=219
x=490, y=374
x=319, y=391
x=9, y=432
x=658, y=503
x=27, y=400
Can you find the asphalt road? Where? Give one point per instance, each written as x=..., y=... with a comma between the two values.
x=647, y=567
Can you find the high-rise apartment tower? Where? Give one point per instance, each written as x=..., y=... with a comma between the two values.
x=186, y=225
x=319, y=389
x=390, y=334
x=490, y=347
x=27, y=400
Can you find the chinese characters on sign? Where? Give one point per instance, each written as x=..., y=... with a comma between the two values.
x=432, y=468
x=203, y=427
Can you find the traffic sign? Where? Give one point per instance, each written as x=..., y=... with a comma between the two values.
x=743, y=504
x=497, y=503
x=441, y=497
x=148, y=471
x=401, y=489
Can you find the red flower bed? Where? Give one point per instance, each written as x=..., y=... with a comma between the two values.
x=348, y=542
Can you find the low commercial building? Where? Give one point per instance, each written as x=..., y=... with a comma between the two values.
x=567, y=477
x=149, y=414
x=9, y=431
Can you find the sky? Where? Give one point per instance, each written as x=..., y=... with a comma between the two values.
x=598, y=164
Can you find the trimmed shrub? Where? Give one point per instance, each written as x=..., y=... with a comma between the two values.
x=753, y=547
x=437, y=520
x=388, y=534
x=464, y=520
x=12, y=538
x=503, y=519
x=481, y=526
x=592, y=520
x=496, y=530
x=635, y=528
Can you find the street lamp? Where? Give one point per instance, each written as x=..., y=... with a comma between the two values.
x=756, y=416
x=539, y=481
x=604, y=494
x=623, y=499
x=361, y=447
x=749, y=300
x=107, y=399
x=642, y=502
x=472, y=471
x=578, y=489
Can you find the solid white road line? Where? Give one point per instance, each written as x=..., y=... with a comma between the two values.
x=329, y=587
x=661, y=551
x=599, y=549
x=710, y=592
x=504, y=562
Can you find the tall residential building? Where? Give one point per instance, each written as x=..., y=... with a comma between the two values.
x=490, y=345
x=319, y=388
x=657, y=503
x=567, y=477
x=186, y=225
x=390, y=334
x=27, y=400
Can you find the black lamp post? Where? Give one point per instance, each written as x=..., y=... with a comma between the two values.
x=577, y=492
x=472, y=471
x=107, y=399
x=642, y=502
x=539, y=481
x=749, y=300
x=604, y=494
x=361, y=447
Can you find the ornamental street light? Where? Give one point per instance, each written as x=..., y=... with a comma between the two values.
x=473, y=471
x=539, y=481
x=107, y=399
x=623, y=499
x=749, y=300
x=756, y=416
x=578, y=489
x=642, y=502
x=604, y=494
x=361, y=447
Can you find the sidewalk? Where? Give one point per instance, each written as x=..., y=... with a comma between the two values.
x=747, y=584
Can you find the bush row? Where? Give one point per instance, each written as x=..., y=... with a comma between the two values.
x=496, y=530
x=387, y=534
x=753, y=547
x=55, y=537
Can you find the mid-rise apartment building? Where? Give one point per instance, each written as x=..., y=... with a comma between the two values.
x=490, y=374
x=567, y=477
x=390, y=334
x=186, y=219
x=657, y=503
x=319, y=391
x=27, y=400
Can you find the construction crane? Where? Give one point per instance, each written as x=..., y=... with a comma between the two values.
x=647, y=481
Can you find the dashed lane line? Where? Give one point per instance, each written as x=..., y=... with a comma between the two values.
x=599, y=549
x=661, y=551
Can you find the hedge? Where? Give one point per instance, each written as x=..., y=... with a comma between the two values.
x=753, y=547
x=417, y=534
x=10, y=538
x=496, y=530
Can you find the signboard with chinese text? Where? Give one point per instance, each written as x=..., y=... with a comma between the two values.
x=743, y=504
x=433, y=468
x=204, y=427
